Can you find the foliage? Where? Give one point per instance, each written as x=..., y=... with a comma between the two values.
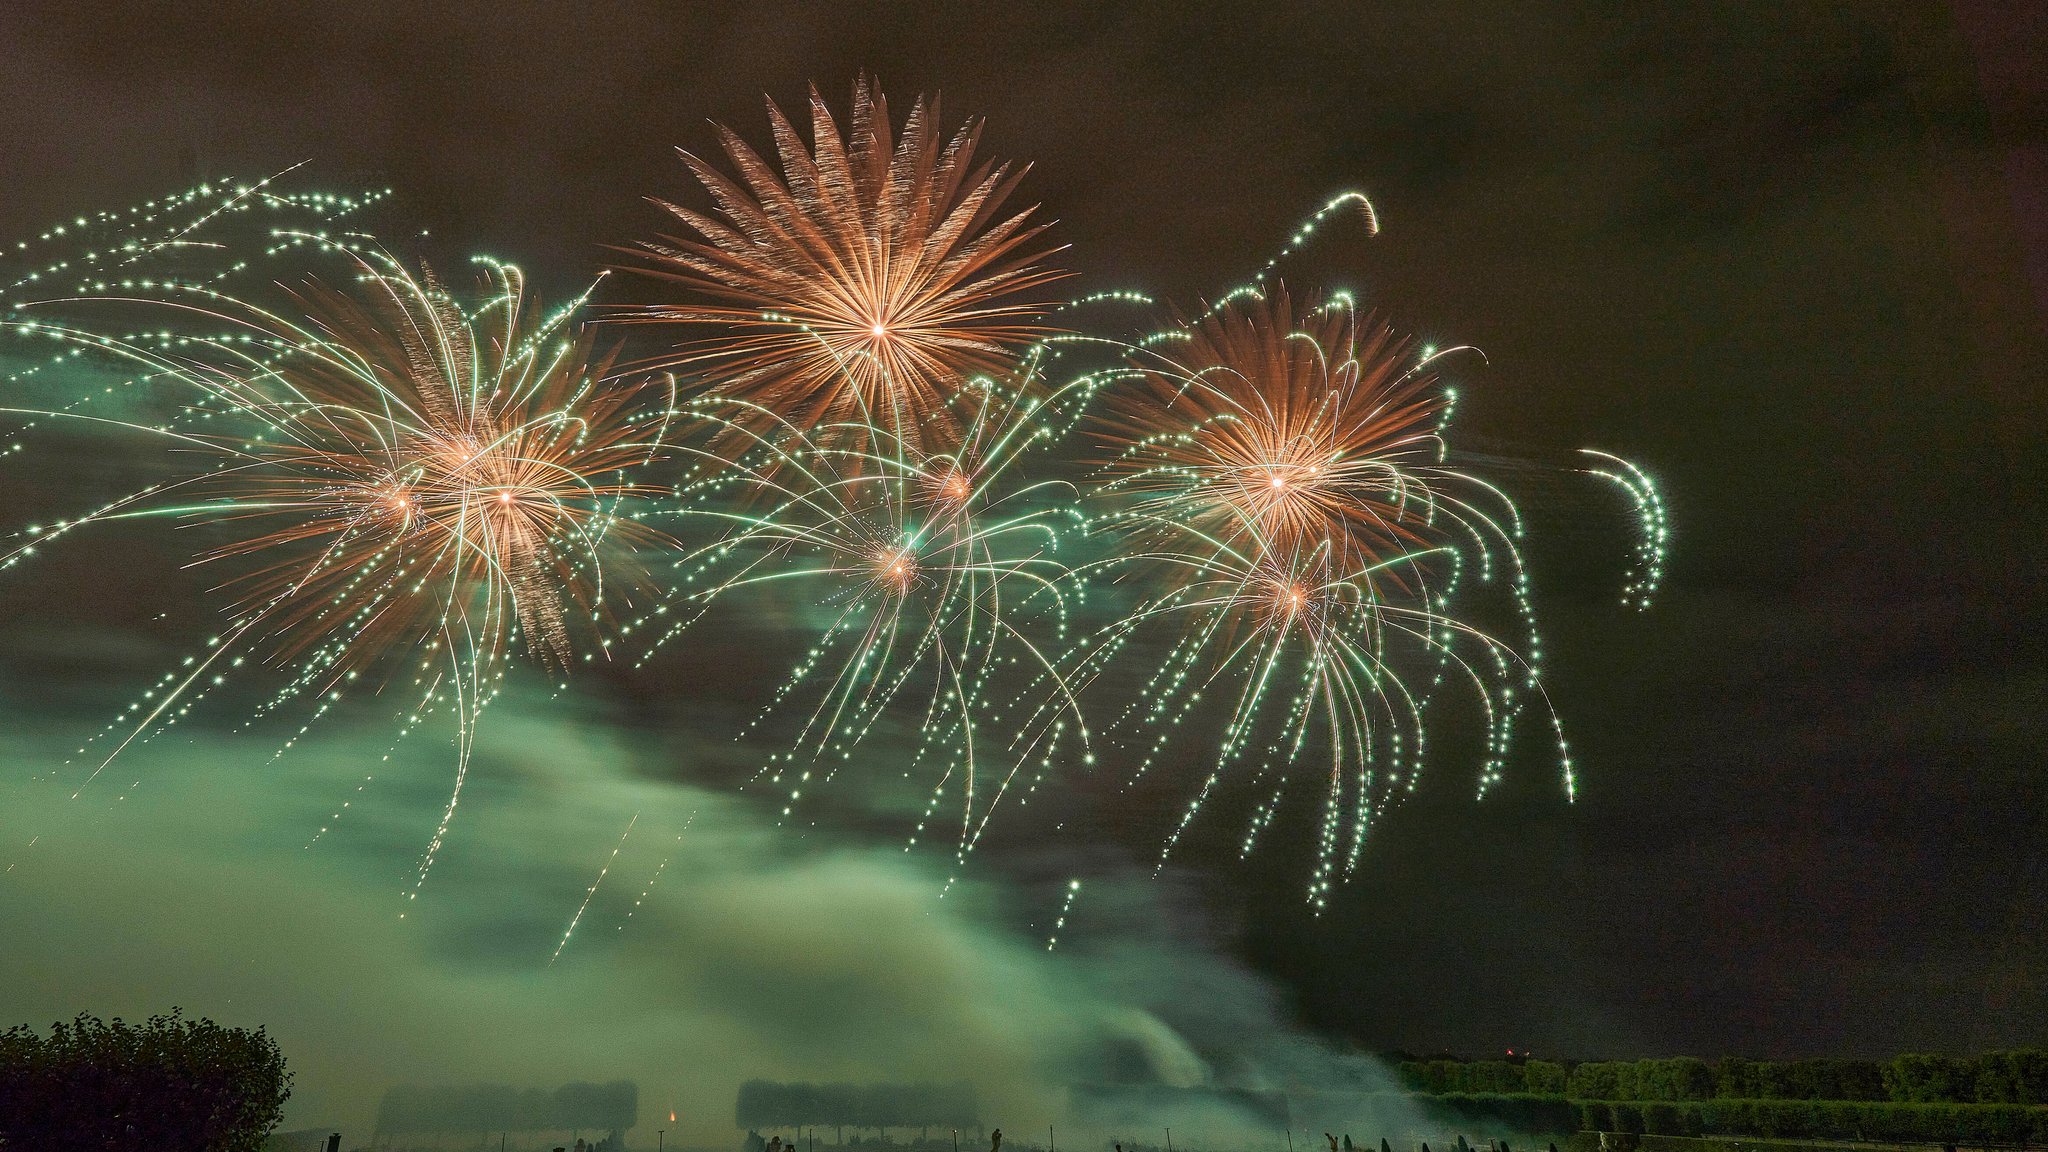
x=1822, y=1119
x=1491, y=1077
x=1510, y=1112
x=1800, y=1080
x=170, y=1085
x=2011, y=1077
x=1544, y=1078
x=2016, y=1077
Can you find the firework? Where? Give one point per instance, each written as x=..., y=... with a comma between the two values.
x=934, y=573
x=395, y=482
x=1281, y=481
x=404, y=479
x=1299, y=434
x=863, y=285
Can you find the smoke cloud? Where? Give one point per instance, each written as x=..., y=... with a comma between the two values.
x=189, y=874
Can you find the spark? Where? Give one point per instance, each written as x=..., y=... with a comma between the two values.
x=592, y=892
x=1066, y=906
x=658, y=870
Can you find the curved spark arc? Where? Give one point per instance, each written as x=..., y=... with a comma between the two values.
x=1647, y=570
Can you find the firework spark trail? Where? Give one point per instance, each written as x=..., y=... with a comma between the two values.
x=864, y=284
x=1059, y=923
x=658, y=870
x=592, y=893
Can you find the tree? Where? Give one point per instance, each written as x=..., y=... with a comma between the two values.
x=172, y=1084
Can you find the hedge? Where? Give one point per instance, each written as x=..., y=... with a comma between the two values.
x=1518, y=1112
x=1469, y=1077
x=1822, y=1119
x=2015, y=1077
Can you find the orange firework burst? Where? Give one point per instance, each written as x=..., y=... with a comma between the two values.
x=404, y=474
x=1296, y=432
x=865, y=283
x=435, y=471
x=407, y=479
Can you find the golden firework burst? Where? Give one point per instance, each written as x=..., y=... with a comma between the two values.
x=1298, y=431
x=865, y=282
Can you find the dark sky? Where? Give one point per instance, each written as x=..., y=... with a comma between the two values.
x=1778, y=257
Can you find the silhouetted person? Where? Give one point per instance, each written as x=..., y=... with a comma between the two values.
x=1347, y=1142
x=1332, y=1140
x=1386, y=1147
x=995, y=1141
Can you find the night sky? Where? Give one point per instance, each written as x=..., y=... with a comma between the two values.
x=1795, y=265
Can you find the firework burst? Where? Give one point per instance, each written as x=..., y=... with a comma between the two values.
x=863, y=285
x=1303, y=434
x=404, y=478
x=1280, y=482
x=934, y=573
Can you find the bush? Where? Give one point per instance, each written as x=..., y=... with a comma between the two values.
x=1494, y=1078
x=1929, y=1123
x=1595, y=1080
x=1683, y=1078
x=2012, y=1078
x=2016, y=1077
x=172, y=1084
x=1510, y=1111
x=1927, y=1079
x=1543, y=1078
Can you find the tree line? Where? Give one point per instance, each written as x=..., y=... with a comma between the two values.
x=2015, y=1077
x=1865, y=1120
x=409, y=1108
